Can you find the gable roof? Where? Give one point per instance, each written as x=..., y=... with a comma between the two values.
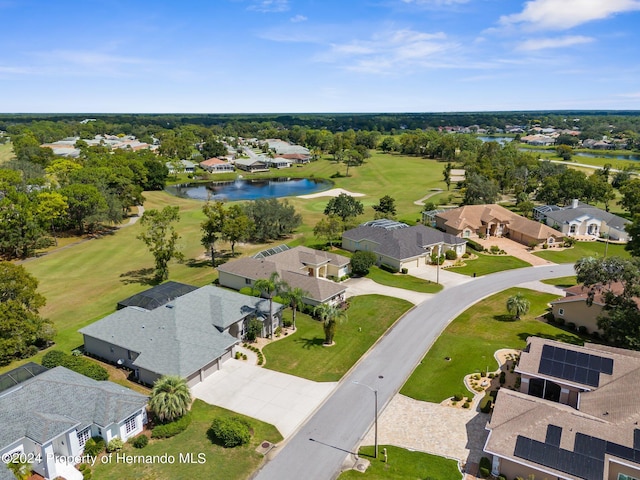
x=59, y=399
x=605, y=422
x=290, y=266
x=578, y=293
x=214, y=161
x=401, y=243
x=182, y=336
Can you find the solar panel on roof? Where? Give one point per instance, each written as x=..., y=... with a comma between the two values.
x=554, y=433
x=574, y=366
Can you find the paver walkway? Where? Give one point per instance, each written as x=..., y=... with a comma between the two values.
x=514, y=249
x=432, y=428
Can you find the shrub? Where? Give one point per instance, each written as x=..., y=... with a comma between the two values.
x=474, y=245
x=253, y=329
x=494, y=249
x=167, y=430
x=450, y=255
x=388, y=268
x=94, y=446
x=248, y=291
x=466, y=405
x=571, y=326
x=503, y=378
x=457, y=397
x=362, y=261
x=485, y=463
x=229, y=431
x=465, y=255
x=560, y=321
x=404, y=270
x=278, y=331
x=583, y=330
x=486, y=403
x=545, y=246
x=502, y=477
x=115, y=445
x=80, y=365
x=485, y=472
x=595, y=335
x=140, y=441
x=287, y=323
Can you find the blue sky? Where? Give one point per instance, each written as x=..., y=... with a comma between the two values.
x=244, y=56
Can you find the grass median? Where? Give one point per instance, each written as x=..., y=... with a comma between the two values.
x=486, y=264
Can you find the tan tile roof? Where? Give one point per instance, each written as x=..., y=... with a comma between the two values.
x=476, y=216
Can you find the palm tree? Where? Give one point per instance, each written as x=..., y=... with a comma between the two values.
x=293, y=297
x=170, y=398
x=518, y=305
x=330, y=316
x=269, y=287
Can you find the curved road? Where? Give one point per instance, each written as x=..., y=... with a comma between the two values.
x=318, y=449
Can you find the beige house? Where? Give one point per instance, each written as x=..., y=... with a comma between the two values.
x=217, y=165
x=575, y=416
x=574, y=309
x=314, y=271
x=472, y=221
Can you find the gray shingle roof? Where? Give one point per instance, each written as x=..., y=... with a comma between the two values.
x=568, y=214
x=45, y=406
x=182, y=336
x=402, y=243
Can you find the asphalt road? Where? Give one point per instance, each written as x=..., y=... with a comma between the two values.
x=319, y=448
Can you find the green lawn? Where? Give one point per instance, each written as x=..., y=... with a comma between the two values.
x=561, y=282
x=582, y=249
x=471, y=340
x=404, y=465
x=486, y=264
x=303, y=354
x=400, y=280
x=220, y=463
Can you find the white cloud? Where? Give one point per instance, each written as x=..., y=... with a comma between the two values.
x=565, y=14
x=269, y=6
x=298, y=19
x=391, y=52
x=561, y=42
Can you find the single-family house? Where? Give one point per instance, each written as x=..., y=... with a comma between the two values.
x=538, y=140
x=279, y=162
x=575, y=416
x=313, y=271
x=191, y=336
x=48, y=416
x=217, y=165
x=574, y=307
x=251, y=165
x=583, y=220
x=397, y=245
x=182, y=166
x=493, y=220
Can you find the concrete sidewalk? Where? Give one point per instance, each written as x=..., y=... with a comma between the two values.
x=273, y=397
x=447, y=278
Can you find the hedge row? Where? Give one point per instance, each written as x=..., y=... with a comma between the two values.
x=86, y=367
x=166, y=430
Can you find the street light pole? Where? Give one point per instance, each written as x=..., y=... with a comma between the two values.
x=375, y=424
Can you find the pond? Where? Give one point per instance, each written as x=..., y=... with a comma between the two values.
x=245, y=189
x=500, y=140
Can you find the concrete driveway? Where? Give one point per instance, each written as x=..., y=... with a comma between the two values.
x=366, y=286
x=447, y=278
x=273, y=397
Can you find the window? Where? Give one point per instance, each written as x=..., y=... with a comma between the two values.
x=83, y=436
x=130, y=424
x=622, y=476
x=572, y=229
x=561, y=311
x=247, y=281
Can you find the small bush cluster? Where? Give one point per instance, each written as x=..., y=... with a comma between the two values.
x=286, y=323
x=450, y=255
x=94, y=446
x=474, y=245
x=140, y=441
x=81, y=365
x=115, y=445
x=257, y=351
x=85, y=470
x=167, y=430
x=388, y=268
x=240, y=356
x=485, y=467
x=404, y=270
x=465, y=255
x=229, y=431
